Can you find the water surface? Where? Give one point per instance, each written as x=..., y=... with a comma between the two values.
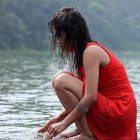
x=27, y=99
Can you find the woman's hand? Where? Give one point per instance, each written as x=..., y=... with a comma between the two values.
x=56, y=119
x=47, y=125
x=55, y=129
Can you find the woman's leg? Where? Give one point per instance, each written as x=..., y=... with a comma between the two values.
x=78, y=129
x=69, y=92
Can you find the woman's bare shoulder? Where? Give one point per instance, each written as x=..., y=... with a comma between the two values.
x=93, y=50
x=97, y=53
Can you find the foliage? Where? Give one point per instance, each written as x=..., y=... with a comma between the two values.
x=23, y=24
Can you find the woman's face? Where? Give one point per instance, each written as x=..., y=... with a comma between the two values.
x=61, y=41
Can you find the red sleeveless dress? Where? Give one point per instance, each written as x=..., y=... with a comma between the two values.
x=113, y=115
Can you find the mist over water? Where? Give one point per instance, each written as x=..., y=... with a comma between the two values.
x=27, y=98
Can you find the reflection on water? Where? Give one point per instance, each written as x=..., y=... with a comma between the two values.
x=27, y=99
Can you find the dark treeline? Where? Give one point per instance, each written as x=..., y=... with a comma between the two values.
x=24, y=23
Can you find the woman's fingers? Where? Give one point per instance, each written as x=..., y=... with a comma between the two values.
x=50, y=136
x=44, y=129
x=52, y=131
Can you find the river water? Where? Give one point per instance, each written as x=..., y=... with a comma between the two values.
x=27, y=99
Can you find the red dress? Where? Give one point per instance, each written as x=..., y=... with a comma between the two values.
x=113, y=115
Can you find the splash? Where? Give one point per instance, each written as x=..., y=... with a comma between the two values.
x=41, y=136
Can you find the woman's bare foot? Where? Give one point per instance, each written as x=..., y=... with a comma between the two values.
x=83, y=137
x=71, y=134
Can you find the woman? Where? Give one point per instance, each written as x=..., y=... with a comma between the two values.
x=98, y=97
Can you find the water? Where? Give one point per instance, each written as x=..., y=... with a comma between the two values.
x=27, y=99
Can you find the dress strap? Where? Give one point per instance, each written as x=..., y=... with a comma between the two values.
x=91, y=43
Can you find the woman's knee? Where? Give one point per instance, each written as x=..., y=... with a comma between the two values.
x=58, y=81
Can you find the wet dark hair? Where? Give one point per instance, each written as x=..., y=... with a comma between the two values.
x=70, y=22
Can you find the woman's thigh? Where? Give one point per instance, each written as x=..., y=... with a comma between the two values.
x=66, y=81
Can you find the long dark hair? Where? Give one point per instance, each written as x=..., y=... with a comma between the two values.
x=69, y=21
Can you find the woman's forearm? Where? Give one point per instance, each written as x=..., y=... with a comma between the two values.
x=86, y=103
x=62, y=115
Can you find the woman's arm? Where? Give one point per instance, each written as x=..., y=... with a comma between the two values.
x=92, y=59
x=62, y=115
x=91, y=63
x=53, y=120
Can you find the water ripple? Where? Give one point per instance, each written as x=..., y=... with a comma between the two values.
x=27, y=99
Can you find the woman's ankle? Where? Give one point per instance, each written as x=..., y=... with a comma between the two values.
x=73, y=133
x=86, y=137
x=87, y=133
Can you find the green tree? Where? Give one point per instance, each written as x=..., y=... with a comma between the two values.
x=23, y=24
